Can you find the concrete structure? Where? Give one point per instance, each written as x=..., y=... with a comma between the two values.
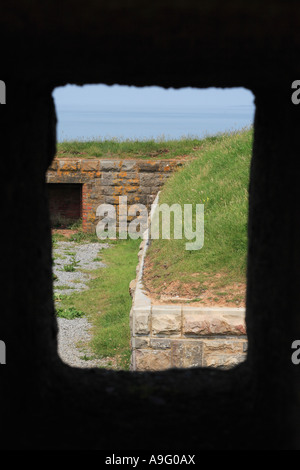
x=77, y=186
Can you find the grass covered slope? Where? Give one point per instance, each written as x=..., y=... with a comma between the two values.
x=150, y=149
x=218, y=177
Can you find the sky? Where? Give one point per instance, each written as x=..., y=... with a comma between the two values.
x=116, y=95
x=93, y=112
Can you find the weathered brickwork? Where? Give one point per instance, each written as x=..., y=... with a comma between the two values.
x=103, y=181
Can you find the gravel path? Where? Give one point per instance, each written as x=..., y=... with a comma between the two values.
x=73, y=338
x=82, y=257
x=74, y=335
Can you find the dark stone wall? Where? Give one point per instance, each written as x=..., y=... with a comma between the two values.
x=190, y=43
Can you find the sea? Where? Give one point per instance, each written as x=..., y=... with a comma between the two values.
x=152, y=122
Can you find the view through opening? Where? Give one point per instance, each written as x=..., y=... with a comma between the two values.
x=180, y=303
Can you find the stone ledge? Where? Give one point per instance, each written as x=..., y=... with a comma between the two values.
x=221, y=321
x=141, y=320
x=166, y=320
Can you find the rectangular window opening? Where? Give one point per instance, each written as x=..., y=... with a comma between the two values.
x=65, y=204
x=179, y=304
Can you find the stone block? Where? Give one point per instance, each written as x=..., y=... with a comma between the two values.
x=168, y=166
x=127, y=189
x=144, y=189
x=205, y=322
x=141, y=319
x=108, y=178
x=128, y=178
x=165, y=166
x=151, y=360
x=128, y=165
x=223, y=353
x=68, y=165
x=223, y=362
x=148, y=166
x=111, y=190
x=132, y=287
x=140, y=342
x=149, y=179
x=110, y=165
x=114, y=200
x=166, y=320
x=160, y=343
x=90, y=165
x=186, y=354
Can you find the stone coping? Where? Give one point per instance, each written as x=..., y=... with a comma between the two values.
x=98, y=164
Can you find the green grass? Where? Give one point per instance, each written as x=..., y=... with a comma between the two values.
x=69, y=313
x=107, y=302
x=57, y=237
x=219, y=178
x=148, y=149
x=81, y=237
x=78, y=237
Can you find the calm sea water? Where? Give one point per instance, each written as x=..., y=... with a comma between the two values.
x=94, y=122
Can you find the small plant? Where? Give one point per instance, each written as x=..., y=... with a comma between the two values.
x=69, y=313
x=77, y=225
x=197, y=299
x=57, y=237
x=72, y=266
x=57, y=297
x=87, y=358
x=69, y=268
x=54, y=277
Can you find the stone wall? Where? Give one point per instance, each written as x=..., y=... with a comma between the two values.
x=166, y=336
x=103, y=181
x=178, y=336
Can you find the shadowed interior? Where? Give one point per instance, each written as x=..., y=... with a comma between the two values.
x=64, y=203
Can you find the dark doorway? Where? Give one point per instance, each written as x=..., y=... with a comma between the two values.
x=64, y=203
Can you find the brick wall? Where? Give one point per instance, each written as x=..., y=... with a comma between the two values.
x=103, y=181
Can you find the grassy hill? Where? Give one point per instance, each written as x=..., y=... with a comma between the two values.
x=218, y=177
x=150, y=149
